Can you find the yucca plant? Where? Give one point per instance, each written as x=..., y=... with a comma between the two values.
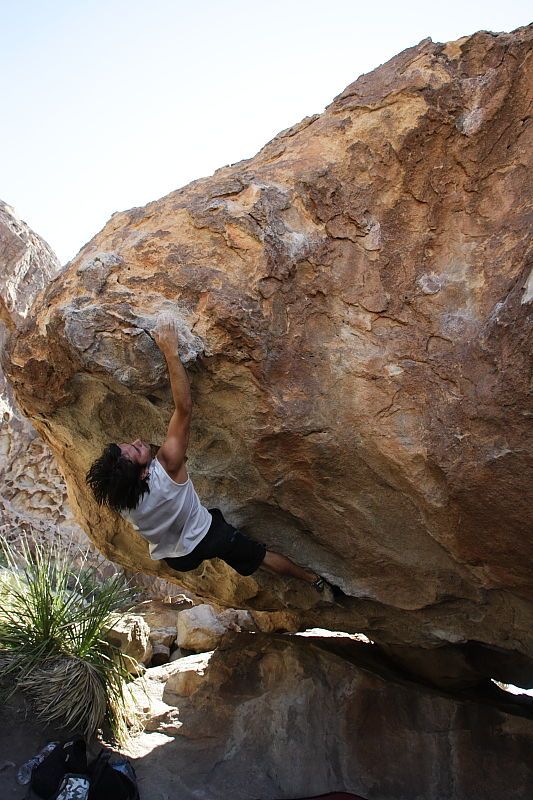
x=52, y=645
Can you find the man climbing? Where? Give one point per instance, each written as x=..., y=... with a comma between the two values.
x=152, y=489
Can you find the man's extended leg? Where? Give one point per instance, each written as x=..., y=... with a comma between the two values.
x=282, y=565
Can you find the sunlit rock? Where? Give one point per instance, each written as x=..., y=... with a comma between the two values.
x=199, y=629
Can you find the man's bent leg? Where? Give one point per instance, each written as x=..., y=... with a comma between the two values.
x=282, y=565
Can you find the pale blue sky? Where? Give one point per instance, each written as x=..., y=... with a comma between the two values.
x=108, y=104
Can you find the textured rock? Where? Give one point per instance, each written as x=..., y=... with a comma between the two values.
x=33, y=495
x=236, y=619
x=28, y=265
x=131, y=635
x=275, y=717
x=164, y=636
x=275, y=622
x=355, y=303
x=199, y=629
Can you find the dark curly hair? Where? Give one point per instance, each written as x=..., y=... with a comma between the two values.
x=116, y=481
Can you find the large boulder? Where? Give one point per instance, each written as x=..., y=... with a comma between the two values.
x=275, y=717
x=355, y=305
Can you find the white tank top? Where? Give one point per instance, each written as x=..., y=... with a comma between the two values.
x=170, y=517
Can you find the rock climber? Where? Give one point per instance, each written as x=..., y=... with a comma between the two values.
x=152, y=489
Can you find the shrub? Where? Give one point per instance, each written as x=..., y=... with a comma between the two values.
x=52, y=645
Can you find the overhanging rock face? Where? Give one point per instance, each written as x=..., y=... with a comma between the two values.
x=355, y=301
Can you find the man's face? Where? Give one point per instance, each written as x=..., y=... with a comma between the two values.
x=138, y=451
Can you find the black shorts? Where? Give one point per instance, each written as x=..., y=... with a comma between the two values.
x=223, y=541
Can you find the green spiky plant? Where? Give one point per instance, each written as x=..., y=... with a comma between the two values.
x=52, y=646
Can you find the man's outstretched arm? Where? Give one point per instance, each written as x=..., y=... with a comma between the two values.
x=172, y=452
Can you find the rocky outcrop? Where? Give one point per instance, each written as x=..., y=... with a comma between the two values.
x=33, y=495
x=273, y=717
x=28, y=265
x=355, y=307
